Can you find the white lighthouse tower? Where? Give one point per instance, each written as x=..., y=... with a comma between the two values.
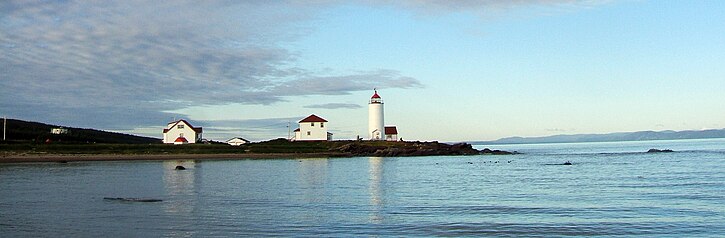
x=376, y=120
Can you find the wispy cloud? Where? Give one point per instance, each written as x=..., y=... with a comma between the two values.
x=559, y=130
x=336, y=85
x=252, y=129
x=99, y=62
x=122, y=64
x=482, y=8
x=335, y=106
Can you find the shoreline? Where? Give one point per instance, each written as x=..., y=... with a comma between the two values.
x=26, y=158
x=274, y=149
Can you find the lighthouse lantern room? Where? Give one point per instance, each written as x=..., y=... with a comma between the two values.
x=376, y=119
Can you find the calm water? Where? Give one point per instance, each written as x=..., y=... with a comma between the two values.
x=610, y=190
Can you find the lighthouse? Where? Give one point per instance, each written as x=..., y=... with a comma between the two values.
x=376, y=120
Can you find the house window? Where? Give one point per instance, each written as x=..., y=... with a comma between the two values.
x=308, y=133
x=180, y=127
x=181, y=134
x=322, y=124
x=313, y=124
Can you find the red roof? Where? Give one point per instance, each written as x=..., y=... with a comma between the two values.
x=376, y=95
x=182, y=140
x=391, y=130
x=197, y=129
x=313, y=118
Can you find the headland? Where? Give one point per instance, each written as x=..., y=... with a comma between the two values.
x=278, y=148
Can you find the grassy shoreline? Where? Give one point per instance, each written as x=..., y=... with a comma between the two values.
x=279, y=148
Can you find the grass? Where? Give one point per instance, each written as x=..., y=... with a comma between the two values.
x=273, y=146
x=119, y=149
x=266, y=147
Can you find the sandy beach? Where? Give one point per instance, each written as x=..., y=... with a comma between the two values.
x=22, y=158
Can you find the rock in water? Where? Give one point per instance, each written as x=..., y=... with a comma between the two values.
x=179, y=167
x=659, y=151
x=487, y=151
x=133, y=199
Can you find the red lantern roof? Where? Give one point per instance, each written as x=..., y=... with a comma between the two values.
x=376, y=95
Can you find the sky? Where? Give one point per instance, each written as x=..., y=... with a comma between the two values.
x=446, y=70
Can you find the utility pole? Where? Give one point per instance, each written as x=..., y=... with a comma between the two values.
x=288, y=130
x=5, y=126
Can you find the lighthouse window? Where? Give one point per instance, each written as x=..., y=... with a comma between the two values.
x=322, y=124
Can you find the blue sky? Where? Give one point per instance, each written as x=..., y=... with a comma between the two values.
x=447, y=70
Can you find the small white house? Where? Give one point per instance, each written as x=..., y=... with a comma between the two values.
x=181, y=132
x=236, y=141
x=391, y=133
x=312, y=128
x=59, y=131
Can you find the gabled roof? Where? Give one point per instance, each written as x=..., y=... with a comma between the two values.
x=197, y=129
x=313, y=118
x=391, y=130
x=239, y=138
x=298, y=129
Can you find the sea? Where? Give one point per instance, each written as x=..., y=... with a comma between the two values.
x=611, y=189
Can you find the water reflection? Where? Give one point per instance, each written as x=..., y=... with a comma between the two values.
x=376, y=192
x=180, y=187
x=313, y=173
x=312, y=176
x=179, y=184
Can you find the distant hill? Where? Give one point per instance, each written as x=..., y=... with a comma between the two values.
x=19, y=131
x=620, y=136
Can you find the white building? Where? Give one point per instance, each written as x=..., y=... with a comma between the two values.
x=59, y=131
x=376, y=119
x=391, y=133
x=181, y=132
x=236, y=141
x=312, y=128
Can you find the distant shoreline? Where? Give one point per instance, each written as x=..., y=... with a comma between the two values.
x=25, y=158
x=592, y=138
